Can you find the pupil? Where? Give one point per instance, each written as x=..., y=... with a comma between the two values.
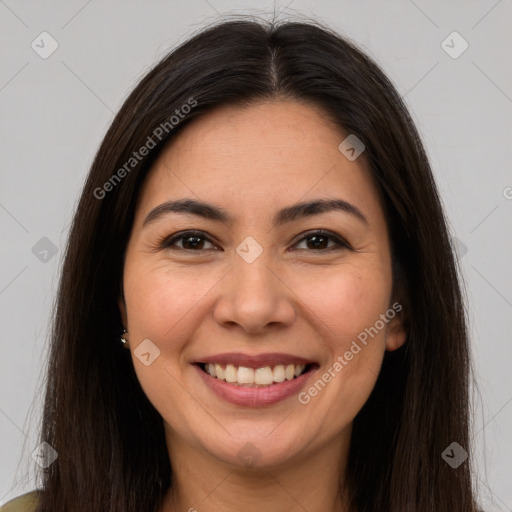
x=194, y=244
x=316, y=237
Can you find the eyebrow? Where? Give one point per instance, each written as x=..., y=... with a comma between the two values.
x=284, y=216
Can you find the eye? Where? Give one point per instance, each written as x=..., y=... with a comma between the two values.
x=193, y=241
x=318, y=240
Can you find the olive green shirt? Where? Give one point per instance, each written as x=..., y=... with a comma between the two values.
x=24, y=503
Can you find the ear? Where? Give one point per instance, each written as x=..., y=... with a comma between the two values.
x=396, y=333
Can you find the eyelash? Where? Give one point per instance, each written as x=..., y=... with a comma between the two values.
x=167, y=243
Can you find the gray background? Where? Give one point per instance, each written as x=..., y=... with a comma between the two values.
x=55, y=112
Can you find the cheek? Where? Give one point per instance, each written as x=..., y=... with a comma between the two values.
x=346, y=301
x=160, y=300
x=348, y=312
x=162, y=305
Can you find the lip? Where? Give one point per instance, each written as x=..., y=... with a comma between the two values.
x=255, y=361
x=255, y=397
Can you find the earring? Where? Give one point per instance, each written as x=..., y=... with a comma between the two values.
x=123, y=337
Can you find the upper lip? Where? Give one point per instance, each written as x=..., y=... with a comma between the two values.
x=254, y=361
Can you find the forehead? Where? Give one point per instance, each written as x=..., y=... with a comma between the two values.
x=270, y=153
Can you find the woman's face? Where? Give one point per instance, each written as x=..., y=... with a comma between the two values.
x=260, y=289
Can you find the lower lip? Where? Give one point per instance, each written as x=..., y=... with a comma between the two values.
x=255, y=397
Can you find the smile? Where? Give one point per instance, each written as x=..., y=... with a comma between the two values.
x=254, y=377
x=255, y=380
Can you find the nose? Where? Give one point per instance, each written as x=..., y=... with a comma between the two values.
x=255, y=297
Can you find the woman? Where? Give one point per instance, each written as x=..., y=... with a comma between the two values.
x=259, y=305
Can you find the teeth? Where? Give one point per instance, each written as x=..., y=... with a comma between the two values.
x=263, y=376
x=250, y=377
x=278, y=373
x=231, y=373
x=220, y=373
x=245, y=375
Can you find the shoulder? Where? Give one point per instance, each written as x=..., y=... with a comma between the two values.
x=24, y=503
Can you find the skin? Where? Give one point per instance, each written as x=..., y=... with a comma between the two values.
x=294, y=298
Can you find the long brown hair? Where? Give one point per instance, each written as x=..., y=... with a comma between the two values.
x=110, y=441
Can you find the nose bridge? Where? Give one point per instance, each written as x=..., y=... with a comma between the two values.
x=254, y=295
x=252, y=275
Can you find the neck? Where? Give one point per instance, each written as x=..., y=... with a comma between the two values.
x=311, y=481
